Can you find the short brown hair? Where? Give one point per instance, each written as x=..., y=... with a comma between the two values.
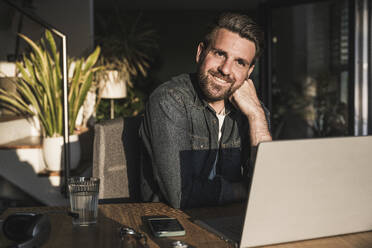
x=240, y=24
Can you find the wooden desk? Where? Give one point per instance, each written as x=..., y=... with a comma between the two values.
x=112, y=216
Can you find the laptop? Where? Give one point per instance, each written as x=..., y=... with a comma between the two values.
x=304, y=189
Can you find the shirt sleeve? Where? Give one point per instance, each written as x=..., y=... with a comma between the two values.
x=167, y=135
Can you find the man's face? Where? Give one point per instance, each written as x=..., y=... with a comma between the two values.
x=224, y=65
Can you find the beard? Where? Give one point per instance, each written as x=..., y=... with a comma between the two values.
x=211, y=90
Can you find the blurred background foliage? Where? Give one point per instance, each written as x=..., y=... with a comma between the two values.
x=312, y=103
x=129, y=44
x=132, y=105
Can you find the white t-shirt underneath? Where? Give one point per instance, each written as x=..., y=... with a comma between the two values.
x=221, y=118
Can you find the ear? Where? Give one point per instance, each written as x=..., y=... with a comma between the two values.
x=199, y=51
x=250, y=70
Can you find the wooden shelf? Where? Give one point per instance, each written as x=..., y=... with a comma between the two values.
x=5, y=118
x=31, y=142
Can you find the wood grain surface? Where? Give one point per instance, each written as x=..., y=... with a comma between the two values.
x=112, y=216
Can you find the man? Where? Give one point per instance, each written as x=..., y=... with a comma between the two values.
x=199, y=129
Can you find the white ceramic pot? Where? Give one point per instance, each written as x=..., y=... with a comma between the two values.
x=53, y=152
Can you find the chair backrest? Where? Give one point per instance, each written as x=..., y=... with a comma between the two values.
x=116, y=159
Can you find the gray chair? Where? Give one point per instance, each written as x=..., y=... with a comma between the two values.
x=116, y=159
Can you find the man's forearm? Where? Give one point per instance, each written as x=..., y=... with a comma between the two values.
x=259, y=130
x=245, y=98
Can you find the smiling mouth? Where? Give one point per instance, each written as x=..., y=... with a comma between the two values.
x=220, y=79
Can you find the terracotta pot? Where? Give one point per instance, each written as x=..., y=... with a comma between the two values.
x=53, y=152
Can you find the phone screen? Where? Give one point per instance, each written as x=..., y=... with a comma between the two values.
x=161, y=225
x=166, y=227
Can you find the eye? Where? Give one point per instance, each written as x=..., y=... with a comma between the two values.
x=241, y=63
x=219, y=53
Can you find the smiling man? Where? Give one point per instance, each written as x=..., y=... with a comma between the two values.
x=200, y=130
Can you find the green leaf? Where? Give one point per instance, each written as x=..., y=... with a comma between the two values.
x=40, y=85
x=92, y=59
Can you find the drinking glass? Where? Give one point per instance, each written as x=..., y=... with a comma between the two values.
x=84, y=199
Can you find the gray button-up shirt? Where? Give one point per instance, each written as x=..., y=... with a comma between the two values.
x=180, y=144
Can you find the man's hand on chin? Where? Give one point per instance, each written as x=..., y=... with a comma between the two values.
x=245, y=98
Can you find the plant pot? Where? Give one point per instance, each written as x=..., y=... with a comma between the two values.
x=53, y=152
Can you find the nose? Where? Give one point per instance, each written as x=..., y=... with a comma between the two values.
x=225, y=68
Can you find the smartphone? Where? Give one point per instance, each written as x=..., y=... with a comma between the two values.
x=164, y=226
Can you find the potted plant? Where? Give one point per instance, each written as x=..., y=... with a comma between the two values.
x=40, y=89
x=128, y=47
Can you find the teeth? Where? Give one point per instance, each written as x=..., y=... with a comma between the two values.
x=220, y=80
